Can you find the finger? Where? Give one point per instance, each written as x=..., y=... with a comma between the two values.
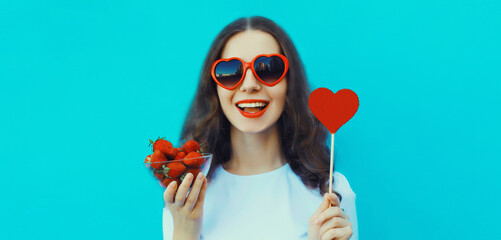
x=195, y=190
x=343, y=233
x=329, y=213
x=183, y=190
x=334, y=199
x=345, y=215
x=335, y=222
x=169, y=192
x=200, y=201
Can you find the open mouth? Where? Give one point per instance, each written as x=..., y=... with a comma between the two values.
x=252, y=108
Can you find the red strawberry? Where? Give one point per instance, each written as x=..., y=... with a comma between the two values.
x=157, y=159
x=193, y=159
x=165, y=147
x=174, y=169
x=160, y=176
x=194, y=171
x=180, y=155
x=191, y=146
x=167, y=181
x=147, y=159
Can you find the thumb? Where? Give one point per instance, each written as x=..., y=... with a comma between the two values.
x=334, y=200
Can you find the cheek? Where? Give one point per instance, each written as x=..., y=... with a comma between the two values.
x=224, y=96
x=280, y=92
x=220, y=94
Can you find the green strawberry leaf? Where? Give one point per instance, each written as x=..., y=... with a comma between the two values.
x=165, y=170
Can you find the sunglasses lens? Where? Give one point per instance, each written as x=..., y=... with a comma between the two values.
x=269, y=69
x=229, y=73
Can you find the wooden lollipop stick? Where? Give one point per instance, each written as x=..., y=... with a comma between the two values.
x=332, y=163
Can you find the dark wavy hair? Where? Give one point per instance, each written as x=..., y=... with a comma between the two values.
x=302, y=136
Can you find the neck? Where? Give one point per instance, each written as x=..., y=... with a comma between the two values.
x=254, y=153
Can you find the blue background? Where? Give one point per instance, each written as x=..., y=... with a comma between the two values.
x=85, y=84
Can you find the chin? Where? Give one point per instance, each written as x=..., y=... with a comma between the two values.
x=254, y=127
x=251, y=129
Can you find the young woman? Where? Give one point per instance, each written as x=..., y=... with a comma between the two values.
x=270, y=168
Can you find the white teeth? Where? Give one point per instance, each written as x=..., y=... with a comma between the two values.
x=256, y=104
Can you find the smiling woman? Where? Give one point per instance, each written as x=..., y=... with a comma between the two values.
x=270, y=171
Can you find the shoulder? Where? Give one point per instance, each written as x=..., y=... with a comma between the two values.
x=342, y=186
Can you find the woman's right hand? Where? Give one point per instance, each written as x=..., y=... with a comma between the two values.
x=186, y=212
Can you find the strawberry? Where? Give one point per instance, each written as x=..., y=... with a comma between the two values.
x=157, y=159
x=165, y=147
x=174, y=169
x=191, y=146
x=147, y=159
x=167, y=181
x=160, y=176
x=194, y=171
x=180, y=155
x=193, y=159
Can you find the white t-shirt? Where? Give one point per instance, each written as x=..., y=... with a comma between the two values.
x=271, y=205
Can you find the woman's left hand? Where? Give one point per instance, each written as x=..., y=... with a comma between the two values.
x=329, y=222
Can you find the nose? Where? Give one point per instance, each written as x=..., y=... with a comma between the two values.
x=250, y=83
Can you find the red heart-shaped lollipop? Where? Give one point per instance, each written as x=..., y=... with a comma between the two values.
x=333, y=110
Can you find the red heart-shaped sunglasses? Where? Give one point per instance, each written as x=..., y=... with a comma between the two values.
x=268, y=69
